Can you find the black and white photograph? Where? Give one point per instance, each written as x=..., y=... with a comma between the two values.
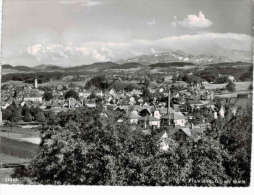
x=126, y=92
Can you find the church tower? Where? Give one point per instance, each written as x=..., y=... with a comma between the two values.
x=35, y=83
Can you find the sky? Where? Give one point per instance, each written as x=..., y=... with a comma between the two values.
x=74, y=32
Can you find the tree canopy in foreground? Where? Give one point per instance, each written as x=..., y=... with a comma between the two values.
x=87, y=146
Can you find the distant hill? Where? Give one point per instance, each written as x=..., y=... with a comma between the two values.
x=7, y=68
x=180, y=56
x=47, y=68
x=93, y=67
x=171, y=64
x=107, y=66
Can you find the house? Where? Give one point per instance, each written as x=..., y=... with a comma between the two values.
x=157, y=114
x=215, y=115
x=195, y=103
x=231, y=78
x=154, y=122
x=134, y=117
x=222, y=112
x=179, y=119
x=164, y=146
x=33, y=98
x=132, y=101
x=145, y=112
x=99, y=94
x=234, y=110
x=174, y=118
x=193, y=133
x=91, y=104
x=84, y=94
x=112, y=92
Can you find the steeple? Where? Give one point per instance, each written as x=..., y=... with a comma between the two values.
x=35, y=83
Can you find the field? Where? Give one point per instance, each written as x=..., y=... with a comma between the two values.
x=240, y=86
x=14, y=151
x=11, y=159
x=243, y=102
x=20, y=132
x=16, y=145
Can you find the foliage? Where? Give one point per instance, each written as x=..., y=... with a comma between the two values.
x=71, y=94
x=28, y=117
x=12, y=113
x=40, y=117
x=230, y=86
x=192, y=79
x=29, y=77
x=234, y=133
x=250, y=87
x=48, y=95
x=99, y=82
x=87, y=146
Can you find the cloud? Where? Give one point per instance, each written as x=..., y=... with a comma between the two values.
x=90, y=52
x=151, y=22
x=193, y=21
x=87, y=3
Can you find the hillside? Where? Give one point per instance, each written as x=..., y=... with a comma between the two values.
x=111, y=66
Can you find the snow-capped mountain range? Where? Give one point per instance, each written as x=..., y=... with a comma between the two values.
x=180, y=56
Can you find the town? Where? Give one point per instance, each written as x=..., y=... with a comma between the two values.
x=179, y=101
x=149, y=113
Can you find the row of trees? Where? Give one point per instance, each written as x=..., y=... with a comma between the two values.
x=14, y=113
x=101, y=82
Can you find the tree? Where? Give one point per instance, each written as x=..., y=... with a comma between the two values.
x=40, y=117
x=25, y=109
x=34, y=110
x=109, y=153
x=28, y=117
x=236, y=138
x=146, y=94
x=12, y=113
x=100, y=82
x=51, y=118
x=146, y=82
x=250, y=87
x=71, y=94
x=230, y=86
x=48, y=96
